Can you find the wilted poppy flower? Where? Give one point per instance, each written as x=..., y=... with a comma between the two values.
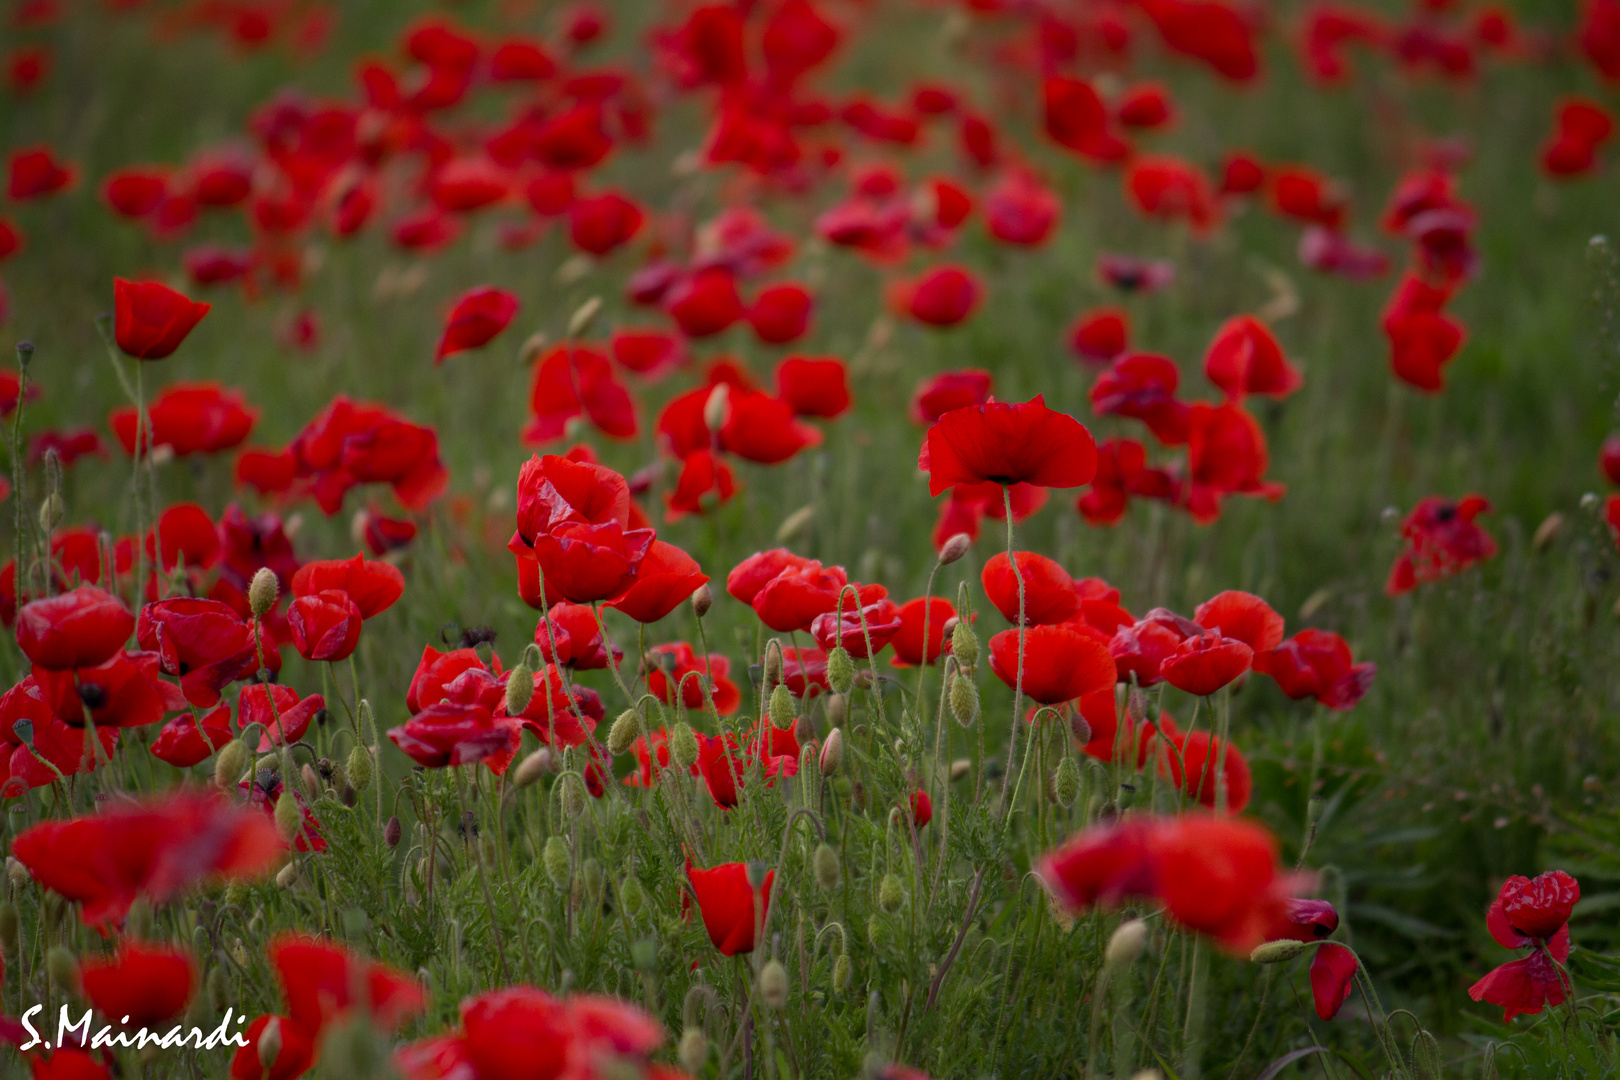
x=1142, y=386
x=1059, y=664
x=453, y=734
x=1101, y=335
x=1007, y=443
x=727, y=903
x=373, y=586
x=1333, y=967
x=36, y=172
x=179, y=744
x=1317, y=664
x=189, y=418
x=1441, y=540
x=475, y=319
x=1534, y=913
x=1244, y=358
x=150, y=320
x=1243, y=616
x=140, y=985
x=1048, y=590
x=678, y=667
x=80, y=628
x=325, y=625
x=1204, y=663
x=943, y=296
x=949, y=390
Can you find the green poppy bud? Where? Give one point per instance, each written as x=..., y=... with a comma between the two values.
x=358, y=769
x=624, y=731
x=1277, y=952
x=519, y=689
x=694, y=1050
x=891, y=894
x=1126, y=943
x=781, y=707
x=233, y=760
x=773, y=984
x=557, y=861
x=842, y=970
x=289, y=819
x=63, y=969
x=840, y=670
x=965, y=645
x=262, y=592
x=1066, y=783
x=632, y=897
x=825, y=863
x=683, y=746
x=964, y=699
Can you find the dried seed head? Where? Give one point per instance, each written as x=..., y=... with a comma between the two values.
x=954, y=548
x=781, y=707
x=965, y=645
x=233, y=760
x=825, y=864
x=773, y=984
x=557, y=861
x=1277, y=952
x=694, y=1050
x=624, y=731
x=683, y=746
x=63, y=969
x=262, y=592
x=1066, y=783
x=891, y=894
x=1126, y=942
x=358, y=769
x=842, y=970
x=840, y=670
x=392, y=832
x=702, y=601
x=964, y=699
x=312, y=782
x=519, y=689
x=289, y=820
x=832, y=752
x=532, y=768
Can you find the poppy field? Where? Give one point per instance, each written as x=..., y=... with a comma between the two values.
x=809, y=538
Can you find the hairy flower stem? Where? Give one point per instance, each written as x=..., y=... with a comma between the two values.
x=1018, y=684
x=483, y=875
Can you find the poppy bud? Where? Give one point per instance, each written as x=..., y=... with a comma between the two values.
x=632, y=897
x=683, y=746
x=519, y=689
x=392, y=832
x=590, y=875
x=842, y=970
x=1313, y=810
x=965, y=645
x=773, y=984
x=312, y=783
x=960, y=768
x=16, y=872
x=878, y=931
x=773, y=666
x=795, y=523
x=832, y=752
x=716, y=406
x=1125, y=796
x=1126, y=942
x=10, y=929
x=694, y=1050
x=1080, y=728
x=781, y=707
x=702, y=601
x=217, y=989
x=270, y=1044
x=25, y=355
x=624, y=731
x=233, y=760
x=825, y=863
x=63, y=969
x=51, y=511
x=288, y=818
x=837, y=707
x=1277, y=952
x=572, y=795
x=954, y=548
x=262, y=592
x=532, y=768
x=964, y=699
x=583, y=316
x=840, y=670
x=891, y=894
x=358, y=770
x=1066, y=783
x=1547, y=531
x=557, y=860
x=804, y=730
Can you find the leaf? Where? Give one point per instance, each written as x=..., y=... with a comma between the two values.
x=1288, y=1059
x=1407, y=925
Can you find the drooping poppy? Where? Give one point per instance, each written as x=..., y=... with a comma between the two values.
x=1531, y=912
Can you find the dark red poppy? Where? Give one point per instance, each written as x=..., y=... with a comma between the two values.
x=36, y=172
x=910, y=648
x=1244, y=358
x=1142, y=386
x=727, y=903
x=1075, y=117
x=1241, y=173
x=922, y=808
x=150, y=320
x=652, y=353
x=943, y=296
x=1609, y=458
x=1441, y=540
x=1049, y=596
x=1534, y=913
x=781, y=313
x=125, y=691
x=179, y=744
x=454, y=734
x=862, y=629
x=1226, y=455
x=373, y=586
x=1204, y=663
x=706, y=481
x=1219, y=34
x=1101, y=335
x=476, y=318
x=666, y=578
x=184, y=534
x=1333, y=967
x=705, y=303
x=11, y=242
x=189, y=418
x=677, y=667
x=814, y=385
x=213, y=265
x=325, y=625
x=136, y=191
x=80, y=628
x=1019, y=210
x=1169, y=189
x=1317, y=664
x=204, y=642
x=1059, y=663
x=1006, y=443
x=140, y=985
x=1135, y=275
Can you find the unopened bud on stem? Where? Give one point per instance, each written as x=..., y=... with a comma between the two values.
x=624, y=731
x=519, y=689
x=1277, y=952
x=954, y=548
x=832, y=752
x=1126, y=943
x=702, y=601
x=840, y=670
x=262, y=592
x=781, y=707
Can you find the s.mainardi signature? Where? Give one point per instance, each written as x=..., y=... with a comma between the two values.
x=174, y=1038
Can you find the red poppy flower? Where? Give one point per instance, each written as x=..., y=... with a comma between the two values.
x=863, y=629
x=184, y=534
x=1244, y=359
x=1204, y=663
x=553, y=491
x=1142, y=649
x=80, y=628
x=452, y=734
x=150, y=319
x=36, y=172
x=762, y=429
x=1006, y=443
x=437, y=671
x=1243, y=616
x=1317, y=664
x=281, y=715
x=1241, y=173
x=793, y=598
x=727, y=903
x=910, y=649
x=1226, y=455
x=325, y=625
x=11, y=242
x=324, y=981
x=781, y=313
x=1441, y=539
x=292, y=1060
x=585, y=563
x=140, y=985
x=1049, y=596
x=1534, y=913
x=212, y=265
x=947, y=391
x=178, y=743
x=1307, y=196
x=373, y=586
x=1195, y=762
x=475, y=319
x=666, y=579
x=1019, y=210
x=158, y=849
x=570, y=635
x=1060, y=664
x=204, y=642
x=1122, y=472
x=599, y=223
x=673, y=669
x=1142, y=386
x=1169, y=189
x=706, y=481
x=1581, y=126
x=943, y=296
x=556, y=718
x=652, y=353
x=125, y=691
x=751, y=575
x=1101, y=335
x=814, y=385
x=705, y=303
x=1075, y=117
x=577, y=380
x=136, y=191
x=922, y=808
x=189, y=418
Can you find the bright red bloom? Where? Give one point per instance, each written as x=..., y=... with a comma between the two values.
x=1019, y=210
x=922, y=808
x=1142, y=386
x=553, y=491
x=1333, y=967
x=1217, y=33
x=751, y=575
x=1075, y=117
x=647, y=352
x=909, y=647
x=666, y=578
x=947, y=391
x=1423, y=339
x=1142, y=649
x=80, y=628
x=569, y=635
x=136, y=191
x=599, y=223
x=678, y=667
x=781, y=313
x=1534, y=913
x=281, y=715
x=1241, y=173
x=1226, y=455
x=150, y=320
x=475, y=319
x=1204, y=759
x=185, y=533
x=324, y=981
x=157, y=849
x=727, y=903
x=148, y=984
x=705, y=303
x=762, y=429
x=814, y=385
x=577, y=380
x=189, y=418
x=1204, y=663
x=125, y=691
x=1059, y=664
x=1101, y=335
x=325, y=625
x=1581, y=126
x=863, y=632
x=373, y=586
x=1169, y=189
x=1244, y=359
x=794, y=597
x=1122, y=472
x=204, y=642
x=1049, y=596
x=1243, y=616
x=1317, y=664
x=943, y=296
x=585, y=563
x=178, y=743
x=1006, y=443
x=453, y=734
x=706, y=481
x=437, y=672
x=1307, y=196
x=1441, y=540
x=36, y=172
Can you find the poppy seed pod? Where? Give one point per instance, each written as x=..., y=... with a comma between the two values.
x=233, y=760
x=358, y=769
x=262, y=592
x=773, y=984
x=519, y=689
x=825, y=864
x=1125, y=944
x=624, y=731
x=694, y=1050
x=63, y=969
x=532, y=768
x=964, y=699
x=832, y=752
x=891, y=894
x=288, y=818
x=1277, y=952
x=842, y=970
x=840, y=670
x=557, y=861
x=392, y=832
x=965, y=645
x=702, y=601
x=954, y=548
x=683, y=746
x=781, y=707
x=270, y=1044
x=1066, y=783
